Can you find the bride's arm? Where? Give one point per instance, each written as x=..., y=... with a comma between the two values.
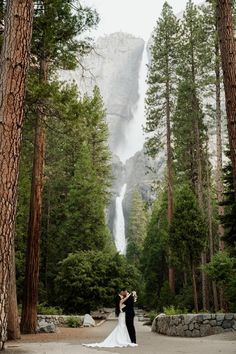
x=124, y=299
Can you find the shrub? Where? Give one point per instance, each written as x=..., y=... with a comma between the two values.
x=166, y=297
x=73, y=322
x=152, y=315
x=222, y=269
x=184, y=300
x=43, y=309
x=171, y=311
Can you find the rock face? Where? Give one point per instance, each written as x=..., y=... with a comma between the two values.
x=114, y=67
x=140, y=174
x=199, y=325
x=138, y=177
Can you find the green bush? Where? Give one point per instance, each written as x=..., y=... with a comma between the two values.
x=222, y=269
x=152, y=315
x=184, y=300
x=88, y=280
x=73, y=322
x=171, y=311
x=166, y=298
x=43, y=309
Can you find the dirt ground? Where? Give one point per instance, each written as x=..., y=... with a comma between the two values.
x=69, y=341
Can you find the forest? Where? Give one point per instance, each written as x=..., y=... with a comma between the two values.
x=57, y=253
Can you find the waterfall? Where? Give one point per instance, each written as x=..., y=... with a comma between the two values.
x=134, y=141
x=134, y=135
x=119, y=223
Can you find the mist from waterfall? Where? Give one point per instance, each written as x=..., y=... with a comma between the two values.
x=119, y=224
x=134, y=141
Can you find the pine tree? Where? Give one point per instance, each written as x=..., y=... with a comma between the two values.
x=193, y=70
x=155, y=254
x=225, y=28
x=98, y=140
x=85, y=217
x=14, y=64
x=188, y=232
x=215, y=93
x=228, y=219
x=161, y=96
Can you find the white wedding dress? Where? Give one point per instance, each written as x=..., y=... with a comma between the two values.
x=119, y=337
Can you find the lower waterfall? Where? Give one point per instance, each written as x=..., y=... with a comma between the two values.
x=119, y=223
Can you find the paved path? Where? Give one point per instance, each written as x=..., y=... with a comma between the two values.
x=68, y=341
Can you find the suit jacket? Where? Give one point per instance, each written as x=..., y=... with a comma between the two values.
x=129, y=306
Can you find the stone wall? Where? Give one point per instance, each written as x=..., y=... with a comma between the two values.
x=198, y=325
x=57, y=320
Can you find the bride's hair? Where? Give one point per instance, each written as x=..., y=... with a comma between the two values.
x=117, y=309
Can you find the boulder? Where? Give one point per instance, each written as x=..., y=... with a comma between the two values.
x=88, y=321
x=46, y=327
x=100, y=315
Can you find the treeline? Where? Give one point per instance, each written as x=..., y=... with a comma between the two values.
x=64, y=254
x=188, y=257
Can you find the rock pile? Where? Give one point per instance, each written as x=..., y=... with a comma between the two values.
x=57, y=320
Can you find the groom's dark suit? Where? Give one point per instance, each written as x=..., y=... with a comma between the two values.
x=129, y=317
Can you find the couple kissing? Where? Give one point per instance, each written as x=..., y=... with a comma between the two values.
x=123, y=334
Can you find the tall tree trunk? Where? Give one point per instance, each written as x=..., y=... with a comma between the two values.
x=199, y=187
x=169, y=176
x=30, y=296
x=228, y=57
x=13, y=326
x=14, y=64
x=199, y=182
x=210, y=229
x=195, y=294
x=219, y=164
x=219, y=174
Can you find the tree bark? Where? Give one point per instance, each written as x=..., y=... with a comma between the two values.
x=210, y=230
x=169, y=174
x=195, y=295
x=14, y=64
x=199, y=172
x=30, y=296
x=13, y=325
x=228, y=57
x=199, y=190
x=219, y=165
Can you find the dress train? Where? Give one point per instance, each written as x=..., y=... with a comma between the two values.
x=119, y=337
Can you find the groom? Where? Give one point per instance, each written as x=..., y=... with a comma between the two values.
x=129, y=314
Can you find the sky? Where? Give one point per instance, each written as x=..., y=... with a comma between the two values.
x=137, y=17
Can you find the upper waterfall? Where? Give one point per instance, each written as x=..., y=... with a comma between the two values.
x=134, y=136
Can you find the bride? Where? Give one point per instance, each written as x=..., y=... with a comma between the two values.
x=119, y=337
